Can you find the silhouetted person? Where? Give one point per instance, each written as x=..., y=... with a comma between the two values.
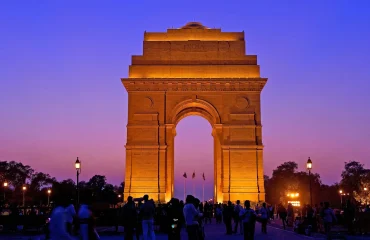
x=129, y=215
x=328, y=217
x=147, y=212
x=264, y=217
x=282, y=212
x=248, y=216
x=227, y=216
x=190, y=215
x=175, y=219
x=349, y=215
x=237, y=220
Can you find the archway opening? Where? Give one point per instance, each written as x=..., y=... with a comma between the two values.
x=194, y=153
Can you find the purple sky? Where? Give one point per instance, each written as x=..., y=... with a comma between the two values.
x=61, y=95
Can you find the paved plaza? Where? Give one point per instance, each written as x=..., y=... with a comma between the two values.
x=213, y=232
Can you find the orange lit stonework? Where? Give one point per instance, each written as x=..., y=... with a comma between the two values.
x=194, y=70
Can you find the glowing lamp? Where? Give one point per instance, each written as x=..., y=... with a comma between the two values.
x=49, y=191
x=309, y=164
x=5, y=184
x=24, y=188
x=340, y=191
x=365, y=189
x=78, y=164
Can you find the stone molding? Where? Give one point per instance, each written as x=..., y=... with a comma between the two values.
x=194, y=84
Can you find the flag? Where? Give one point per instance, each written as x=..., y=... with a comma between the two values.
x=193, y=175
x=204, y=178
x=185, y=176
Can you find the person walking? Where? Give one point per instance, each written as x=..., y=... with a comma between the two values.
x=264, y=217
x=248, y=216
x=147, y=212
x=282, y=212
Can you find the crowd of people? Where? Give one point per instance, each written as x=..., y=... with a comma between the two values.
x=141, y=216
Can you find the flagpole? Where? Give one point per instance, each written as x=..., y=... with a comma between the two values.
x=193, y=188
x=184, y=189
x=203, y=191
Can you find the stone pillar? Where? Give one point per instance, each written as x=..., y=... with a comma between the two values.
x=216, y=133
x=170, y=141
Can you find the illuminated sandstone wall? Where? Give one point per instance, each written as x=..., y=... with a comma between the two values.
x=194, y=71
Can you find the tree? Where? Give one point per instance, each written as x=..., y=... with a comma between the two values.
x=281, y=182
x=41, y=180
x=97, y=183
x=362, y=195
x=17, y=174
x=64, y=189
x=352, y=176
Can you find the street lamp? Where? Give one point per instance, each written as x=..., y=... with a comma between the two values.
x=49, y=192
x=5, y=186
x=341, y=197
x=309, y=167
x=365, y=189
x=24, y=188
x=78, y=170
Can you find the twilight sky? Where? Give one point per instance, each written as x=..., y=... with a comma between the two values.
x=61, y=95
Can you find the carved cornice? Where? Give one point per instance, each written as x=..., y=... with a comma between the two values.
x=194, y=84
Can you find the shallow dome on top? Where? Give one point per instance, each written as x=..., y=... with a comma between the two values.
x=194, y=25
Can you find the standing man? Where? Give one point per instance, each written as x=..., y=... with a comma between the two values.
x=129, y=218
x=237, y=220
x=147, y=212
x=228, y=216
x=248, y=216
x=191, y=214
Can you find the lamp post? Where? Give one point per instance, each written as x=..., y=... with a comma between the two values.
x=78, y=171
x=5, y=186
x=341, y=197
x=309, y=167
x=365, y=189
x=49, y=192
x=24, y=188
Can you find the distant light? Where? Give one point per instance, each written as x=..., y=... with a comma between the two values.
x=49, y=191
x=5, y=184
x=340, y=191
x=365, y=189
x=119, y=195
x=24, y=188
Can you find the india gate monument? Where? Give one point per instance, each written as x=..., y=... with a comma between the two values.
x=194, y=70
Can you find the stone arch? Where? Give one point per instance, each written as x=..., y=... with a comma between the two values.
x=195, y=107
x=191, y=107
